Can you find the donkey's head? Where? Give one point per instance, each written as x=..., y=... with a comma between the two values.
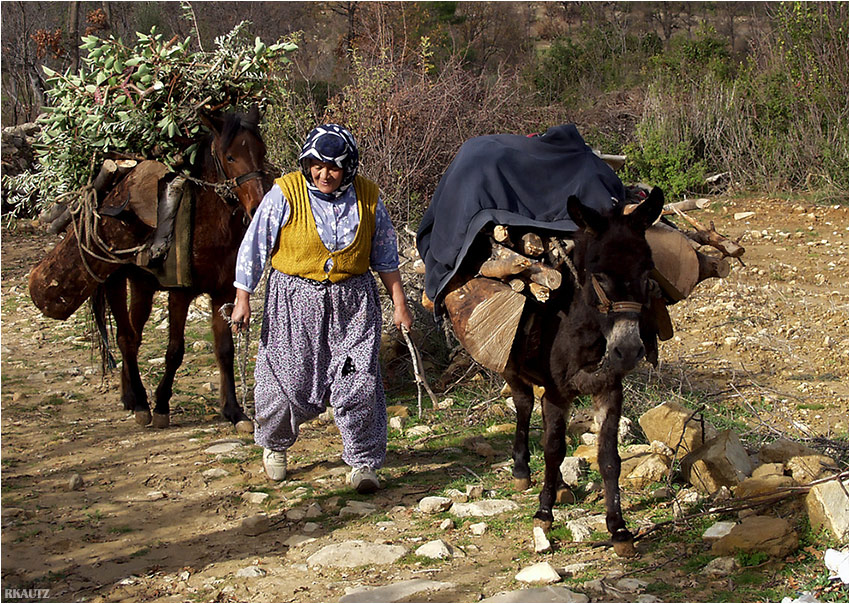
x=613, y=262
x=239, y=153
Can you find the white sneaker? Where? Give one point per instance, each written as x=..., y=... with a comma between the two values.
x=364, y=480
x=274, y=463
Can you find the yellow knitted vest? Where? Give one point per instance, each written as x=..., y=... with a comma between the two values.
x=299, y=249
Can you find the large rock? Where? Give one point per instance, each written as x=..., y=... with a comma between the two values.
x=781, y=450
x=436, y=550
x=434, y=505
x=807, y=468
x=541, y=572
x=394, y=592
x=773, y=536
x=486, y=507
x=827, y=504
x=720, y=462
x=351, y=554
x=671, y=423
x=542, y=595
x=763, y=489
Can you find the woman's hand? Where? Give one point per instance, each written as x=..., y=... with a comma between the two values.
x=402, y=316
x=240, y=318
x=401, y=312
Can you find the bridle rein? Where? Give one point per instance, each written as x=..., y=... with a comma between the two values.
x=605, y=305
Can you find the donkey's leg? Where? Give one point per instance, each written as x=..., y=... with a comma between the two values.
x=608, y=405
x=129, y=325
x=178, y=308
x=230, y=407
x=555, y=409
x=523, y=396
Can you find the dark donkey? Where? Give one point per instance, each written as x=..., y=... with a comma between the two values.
x=229, y=184
x=589, y=340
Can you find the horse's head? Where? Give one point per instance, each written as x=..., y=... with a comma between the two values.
x=238, y=152
x=613, y=261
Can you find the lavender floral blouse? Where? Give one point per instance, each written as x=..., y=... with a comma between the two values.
x=336, y=221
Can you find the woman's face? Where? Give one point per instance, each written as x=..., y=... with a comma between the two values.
x=326, y=176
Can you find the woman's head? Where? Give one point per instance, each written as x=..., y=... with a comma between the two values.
x=329, y=160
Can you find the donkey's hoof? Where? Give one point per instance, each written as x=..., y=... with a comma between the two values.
x=546, y=525
x=143, y=418
x=625, y=549
x=161, y=420
x=245, y=426
x=564, y=497
x=521, y=484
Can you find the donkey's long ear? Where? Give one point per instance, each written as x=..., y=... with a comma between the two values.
x=586, y=218
x=213, y=122
x=648, y=212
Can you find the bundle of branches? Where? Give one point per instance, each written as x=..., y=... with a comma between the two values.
x=141, y=102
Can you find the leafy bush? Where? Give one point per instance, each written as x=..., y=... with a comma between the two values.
x=140, y=101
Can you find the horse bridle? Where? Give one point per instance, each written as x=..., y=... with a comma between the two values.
x=605, y=305
x=226, y=187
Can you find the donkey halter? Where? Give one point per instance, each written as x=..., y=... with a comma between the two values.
x=605, y=305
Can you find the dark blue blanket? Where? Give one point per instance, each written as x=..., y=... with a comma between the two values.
x=512, y=180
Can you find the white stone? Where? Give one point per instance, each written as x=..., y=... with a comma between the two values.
x=420, y=430
x=224, y=447
x=295, y=514
x=538, y=573
x=540, y=595
x=720, y=567
x=396, y=423
x=541, y=542
x=827, y=506
x=215, y=473
x=298, y=540
x=314, y=510
x=251, y=571
x=436, y=550
x=447, y=524
x=718, y=530
x=478, y=529
x=487, y=507
x=583, y=528
x=351, y=554
x=434, y=505
x=310, y=527
x=630, y=585
x=255, y=525
x=254, y=497
x=395, y=592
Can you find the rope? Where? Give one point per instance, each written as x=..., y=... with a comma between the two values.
x=243, y=343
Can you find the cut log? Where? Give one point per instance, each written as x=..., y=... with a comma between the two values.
x=59, y=224
x=485, y=315
x=711, y=267
x=518, y=285
x=504, y=262
x=709, y=236
x=501, y=234
x=543, y=275
x=540, y=292
x=106, y=176
x=532, y=245
x=676, y=264
x=427, y=303
x=686, y=205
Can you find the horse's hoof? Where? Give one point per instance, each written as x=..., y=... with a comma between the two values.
x=564, y=497
x=625, y=549
x=245, y=426
x=521, y=484
x=161, y=420
x=546, y=525
x=143, y=418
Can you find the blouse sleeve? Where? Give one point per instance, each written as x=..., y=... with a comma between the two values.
x=384, y=256
x=260, y=239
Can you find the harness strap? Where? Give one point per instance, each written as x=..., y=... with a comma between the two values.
x=605, y=305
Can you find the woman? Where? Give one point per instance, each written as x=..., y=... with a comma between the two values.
x=323, y=228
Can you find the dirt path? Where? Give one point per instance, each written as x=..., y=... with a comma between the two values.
x=158, y=517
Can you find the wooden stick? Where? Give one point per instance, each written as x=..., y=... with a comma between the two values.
x=540, y=292
x=709, y=236
x=503, y=262
x=500, y=234
x=518, y=285
x=543, y=275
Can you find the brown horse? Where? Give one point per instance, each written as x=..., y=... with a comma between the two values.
x=233, y=157
x=585, y=342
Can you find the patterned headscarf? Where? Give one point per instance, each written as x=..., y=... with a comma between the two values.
x=333, y=144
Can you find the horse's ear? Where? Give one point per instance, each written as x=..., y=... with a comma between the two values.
x=213, y=122
x=253, y=115
x=648, y=212
x=586, y=218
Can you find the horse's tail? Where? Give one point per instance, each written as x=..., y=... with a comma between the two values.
x=100, y=314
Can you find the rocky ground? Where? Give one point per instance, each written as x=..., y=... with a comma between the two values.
x=160, y=515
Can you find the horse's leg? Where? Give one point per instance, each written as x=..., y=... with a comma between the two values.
x=555, y=408
x=178, y=308
x=230, y=407
x=608, y=405
x=129, y=325
x=523, y=395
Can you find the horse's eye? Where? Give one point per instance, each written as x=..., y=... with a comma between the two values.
x=230, y=158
